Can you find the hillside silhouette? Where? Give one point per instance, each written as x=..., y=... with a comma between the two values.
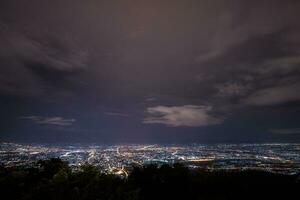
x=54, y=179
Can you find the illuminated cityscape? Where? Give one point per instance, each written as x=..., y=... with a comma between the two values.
x=118, y=159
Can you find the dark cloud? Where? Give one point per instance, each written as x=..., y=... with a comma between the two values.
x=27, y=64
x=274, y=95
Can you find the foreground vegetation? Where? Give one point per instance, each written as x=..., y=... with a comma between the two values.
x=53, y=179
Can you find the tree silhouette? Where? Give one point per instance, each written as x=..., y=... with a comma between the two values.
x=53, y=179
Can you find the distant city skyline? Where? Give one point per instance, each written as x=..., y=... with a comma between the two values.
x=119, y=159
x=141, y=71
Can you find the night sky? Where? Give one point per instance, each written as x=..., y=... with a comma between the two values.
x=149, y=71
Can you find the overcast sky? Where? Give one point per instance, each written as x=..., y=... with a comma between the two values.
x=147, y=71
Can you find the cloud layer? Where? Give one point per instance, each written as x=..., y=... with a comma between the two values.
x=285, y=131
x=275, y=95
x=56, y=121
x=187, y=115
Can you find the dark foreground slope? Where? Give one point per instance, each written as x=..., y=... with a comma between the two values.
x=54, y=180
